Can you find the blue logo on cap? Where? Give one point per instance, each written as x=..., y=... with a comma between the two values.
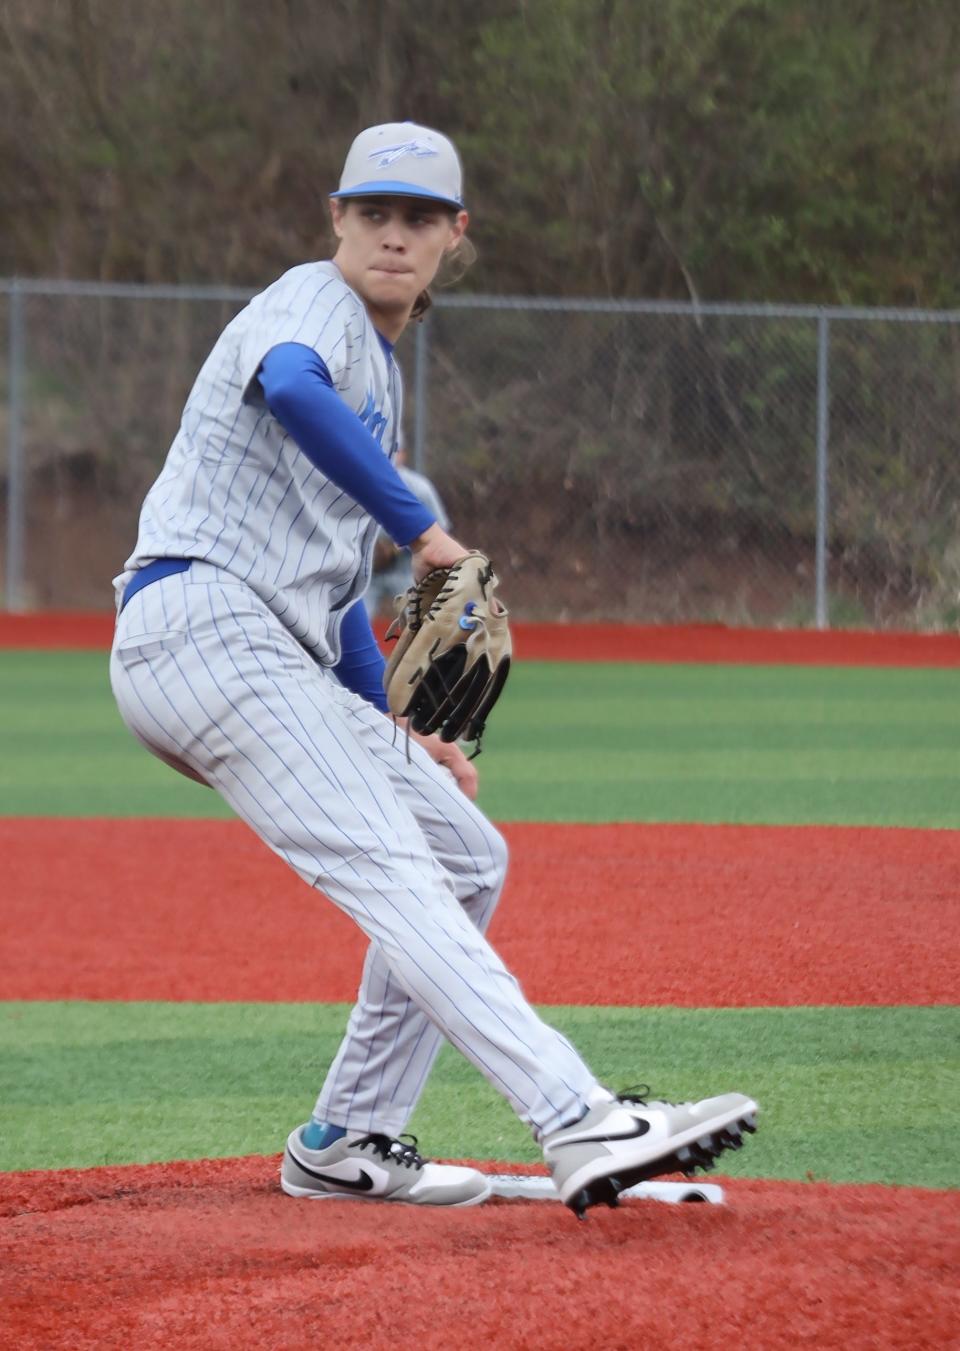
x=392, y=153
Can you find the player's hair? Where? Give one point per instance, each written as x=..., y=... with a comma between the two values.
x=452, y=268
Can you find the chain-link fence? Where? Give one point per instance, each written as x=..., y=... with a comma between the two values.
x=636, y=461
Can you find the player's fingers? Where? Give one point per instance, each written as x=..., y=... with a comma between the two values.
x=434, y=549
x=464, y=773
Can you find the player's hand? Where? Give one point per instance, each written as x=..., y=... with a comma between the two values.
x=452, y=758
x=434, y=549
x=448, y=754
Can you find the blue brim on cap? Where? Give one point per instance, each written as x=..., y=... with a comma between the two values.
x=393, y=188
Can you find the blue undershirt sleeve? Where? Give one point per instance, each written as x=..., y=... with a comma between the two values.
x=299, y=393
x=361, y=663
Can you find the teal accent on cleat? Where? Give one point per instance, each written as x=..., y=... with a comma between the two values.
x=320, y=1134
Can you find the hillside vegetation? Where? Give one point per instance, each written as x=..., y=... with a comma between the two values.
x=741, y=149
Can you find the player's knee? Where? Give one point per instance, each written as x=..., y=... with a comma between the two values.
x=496, y=860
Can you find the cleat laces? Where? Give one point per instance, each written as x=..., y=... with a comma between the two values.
x=638, y=1093
x=402, y=1150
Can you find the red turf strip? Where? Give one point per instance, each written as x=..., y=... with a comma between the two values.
x=599, y=642
x=210, y=1255
x=695, y=916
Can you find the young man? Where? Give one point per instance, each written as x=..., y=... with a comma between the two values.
x=244, y=658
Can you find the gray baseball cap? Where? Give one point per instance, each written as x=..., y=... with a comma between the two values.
x=402, y=159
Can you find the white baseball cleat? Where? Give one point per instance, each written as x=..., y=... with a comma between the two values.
x=376, y=1168
x=629, y=1140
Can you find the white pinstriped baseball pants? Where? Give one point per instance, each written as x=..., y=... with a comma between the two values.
x=210, y=681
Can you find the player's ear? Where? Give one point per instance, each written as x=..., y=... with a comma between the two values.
x=458, y=228
x=337, y=209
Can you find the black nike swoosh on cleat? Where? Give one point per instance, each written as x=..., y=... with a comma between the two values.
x=641, y=1127
x=364, y=1183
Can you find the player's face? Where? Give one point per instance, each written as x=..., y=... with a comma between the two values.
x=391, y=247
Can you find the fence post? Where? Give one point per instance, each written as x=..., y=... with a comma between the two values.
x=823, y=446
x=16, y=506
x=421, y=356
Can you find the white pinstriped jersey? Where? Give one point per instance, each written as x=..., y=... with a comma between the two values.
x=236, y=490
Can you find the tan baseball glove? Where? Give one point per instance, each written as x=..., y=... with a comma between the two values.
x=453, y=651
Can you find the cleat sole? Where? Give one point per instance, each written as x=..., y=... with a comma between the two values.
x=604, y=1192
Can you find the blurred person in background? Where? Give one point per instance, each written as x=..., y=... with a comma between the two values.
x=392, y=565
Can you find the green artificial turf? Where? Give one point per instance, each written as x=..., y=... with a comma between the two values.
x=568, y=742
x=846, y=1094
